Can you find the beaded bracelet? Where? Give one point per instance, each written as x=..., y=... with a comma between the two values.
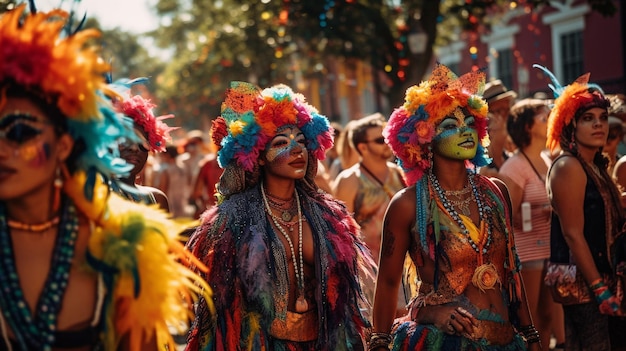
x=379, y=340
x=598, y=283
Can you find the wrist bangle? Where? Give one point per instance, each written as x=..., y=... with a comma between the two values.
x=530, y=334
x=598, y=283
x=379, y=340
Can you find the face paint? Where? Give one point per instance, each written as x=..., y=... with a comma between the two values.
x=35, y=154
x=282, y=145
x=287, y=155
x=18, y=128
x=456, y=137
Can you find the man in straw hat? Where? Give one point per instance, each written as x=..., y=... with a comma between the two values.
x=499, y=100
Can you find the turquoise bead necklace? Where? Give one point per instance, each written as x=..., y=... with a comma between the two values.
x=37, y=332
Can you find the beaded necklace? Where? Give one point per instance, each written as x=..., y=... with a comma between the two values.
x=456, y=198
x=287, y=207
x=37, y=332
x=36, y=228
x=485, y=240
x=301, y=304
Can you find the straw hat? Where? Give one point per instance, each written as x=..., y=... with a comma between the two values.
x=495, y=91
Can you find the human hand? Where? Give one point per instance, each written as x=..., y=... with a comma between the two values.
x=456, y=321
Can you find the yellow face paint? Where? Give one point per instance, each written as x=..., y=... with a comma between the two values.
x=456, y=136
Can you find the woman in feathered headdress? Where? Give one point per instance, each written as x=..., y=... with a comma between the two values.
x=587, y=215
x=454, y=224
x=80, y=267
x=153, y=134
x=285, y=256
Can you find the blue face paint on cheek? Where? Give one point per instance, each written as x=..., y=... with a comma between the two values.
x=446, y=134
x=281, y=152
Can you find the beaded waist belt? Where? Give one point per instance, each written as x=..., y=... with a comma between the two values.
x=297, y=327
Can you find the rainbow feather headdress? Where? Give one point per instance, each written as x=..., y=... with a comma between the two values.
x=580, y=95
x=37, y=54
x=250, y=118
x=411, y=127
x=140, y=110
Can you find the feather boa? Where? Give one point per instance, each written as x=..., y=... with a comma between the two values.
x=235, y=240
x=143, y=263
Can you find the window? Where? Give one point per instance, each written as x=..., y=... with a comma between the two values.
x=572, y=55
x=504, y=64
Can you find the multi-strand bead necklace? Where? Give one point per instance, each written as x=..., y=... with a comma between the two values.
x=38, y=331
x=301, y=303
x=485, y=239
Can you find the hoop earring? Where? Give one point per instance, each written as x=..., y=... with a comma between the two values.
x=58, y=185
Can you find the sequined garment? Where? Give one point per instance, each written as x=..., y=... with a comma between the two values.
x=457, y=263
x=247, y=266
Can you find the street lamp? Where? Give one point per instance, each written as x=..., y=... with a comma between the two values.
x=417, y=42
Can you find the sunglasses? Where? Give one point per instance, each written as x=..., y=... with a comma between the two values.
x=19, y=128
x=379, y=140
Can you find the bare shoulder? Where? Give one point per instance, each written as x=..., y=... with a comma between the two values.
x=403, y=201
x=566, y=169
x=348, y=175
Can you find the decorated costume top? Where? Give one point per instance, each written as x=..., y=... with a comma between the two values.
x=134, y=248
x=411, y=127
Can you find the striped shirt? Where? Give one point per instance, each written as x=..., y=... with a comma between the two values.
x=534, y=244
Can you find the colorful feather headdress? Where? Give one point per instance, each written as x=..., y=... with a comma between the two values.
x=250, y=118
x=141, y=112
x=411, y=127
x=37, y=54
x=580, y=95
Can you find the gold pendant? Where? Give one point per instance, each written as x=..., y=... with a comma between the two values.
x=301, y=304
x=286, y=216
x=486, y=277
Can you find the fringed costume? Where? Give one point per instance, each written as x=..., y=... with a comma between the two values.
x=246, y=259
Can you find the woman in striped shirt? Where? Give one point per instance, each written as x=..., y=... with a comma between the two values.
x=524, y=174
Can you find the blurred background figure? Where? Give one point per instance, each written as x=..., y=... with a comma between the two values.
x=367, y=187
x=499, y=100
x=525, y=176
x=203, y=193
x=617, y=110
x=616, y=134
x=191, y=156
x=153, y=134
x=346, y=155
x=171, y=177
